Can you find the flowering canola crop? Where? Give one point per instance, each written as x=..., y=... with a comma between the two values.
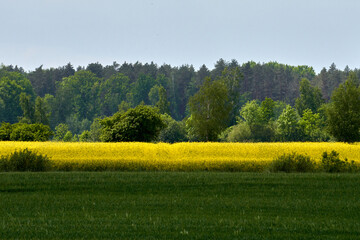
x=174, y=157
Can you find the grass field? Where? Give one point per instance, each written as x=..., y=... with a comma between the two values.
x=179, y=205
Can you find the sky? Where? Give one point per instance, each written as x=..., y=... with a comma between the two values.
x=53, y=33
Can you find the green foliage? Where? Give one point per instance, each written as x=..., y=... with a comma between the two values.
x=293, y=163
x=158, y=98
x=310, y=97
x=310, y=127
x=279, y=108
x=30, y=132
x=210, y=109
x=288, y=124
x=77, y=95
x=28, y=109
x=12, y=85
x=332, y=163
x=68, y=137
x=60, y=131
x=251, y=113
x=141, y=89
x=267, y=109
x=173, y=132
x=95, y=130
x=259, y=119
x=232, y=77
x=139, y=124
x=343, y=112
x=124, y=106
x=41, y=114
x=239, y=133
x=154, y=95
x=25, y=160
x=112, y=92
x=25, y=132
x=85, y=136
x=76, y=98
x=163, y=104
x=77, y=126
x=5, y=131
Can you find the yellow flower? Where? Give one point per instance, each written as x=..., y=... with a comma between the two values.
x=174, y=157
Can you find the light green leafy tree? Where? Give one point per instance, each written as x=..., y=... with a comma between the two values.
x=41, y=114
x=258, y=118
x=287, y=122
x=163, y=104
x=28, y=109
x=310, y=126
x=209, y=109
x=60, y=131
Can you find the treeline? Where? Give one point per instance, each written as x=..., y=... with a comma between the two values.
x=75, y=99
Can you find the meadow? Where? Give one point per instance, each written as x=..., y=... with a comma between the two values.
x=177, y=191
x=179, y=205
x=246, y=157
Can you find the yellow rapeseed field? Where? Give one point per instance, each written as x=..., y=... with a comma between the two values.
x=174, y=157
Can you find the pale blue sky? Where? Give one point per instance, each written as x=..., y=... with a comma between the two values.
x=296, y=32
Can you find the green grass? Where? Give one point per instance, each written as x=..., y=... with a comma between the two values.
x=161, y=205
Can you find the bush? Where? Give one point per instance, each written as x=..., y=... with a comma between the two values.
x=293, y=163
x=5, y=131
x=25, y=160
x=333, y=164
x=239, y=133
x=30, y=132
x=25, y=132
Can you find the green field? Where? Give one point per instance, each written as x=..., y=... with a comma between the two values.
x=162, y=205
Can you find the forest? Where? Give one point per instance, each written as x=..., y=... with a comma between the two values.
x=250, y=102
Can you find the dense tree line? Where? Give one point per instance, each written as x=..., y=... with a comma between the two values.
x=258, y=98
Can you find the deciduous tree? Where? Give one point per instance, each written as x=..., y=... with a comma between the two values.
x=210, y=109
x=343, y=112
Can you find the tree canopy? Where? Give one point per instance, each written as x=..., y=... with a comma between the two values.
x=80, y=97
x=344, y=111
x=139, y=124
x=209, y=109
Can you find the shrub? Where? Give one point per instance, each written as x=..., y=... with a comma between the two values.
x=5, y=131
x=333, y=164
x=239, y=133
x=293, y=163
x=25, y=132
x=25, y=160
x=30, y=132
